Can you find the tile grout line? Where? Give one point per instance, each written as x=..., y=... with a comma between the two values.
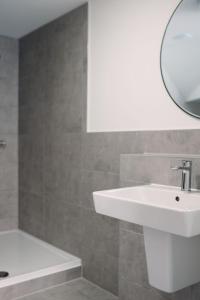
x=46, y=289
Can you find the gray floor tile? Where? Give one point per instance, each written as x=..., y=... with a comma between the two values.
x=79, y=289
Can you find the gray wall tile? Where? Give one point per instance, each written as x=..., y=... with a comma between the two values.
x=9, y=133
x=132, y=262
x=36, y=285
x=79, y=289
x=157, y=169
x=92, y=181
x=101, y=269
x=8, y=210
x=195, y=291
x=100, y=152
x=100, y=232
x=130, y=291
x=60, y=165
x=32, y=208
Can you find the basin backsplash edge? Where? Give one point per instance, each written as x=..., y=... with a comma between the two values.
x=147, y=168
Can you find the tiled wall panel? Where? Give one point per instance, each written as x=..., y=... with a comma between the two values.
x=9, y=133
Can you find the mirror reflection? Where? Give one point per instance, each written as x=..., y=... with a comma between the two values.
x=180, y=57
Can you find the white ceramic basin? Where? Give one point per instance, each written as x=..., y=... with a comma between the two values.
x=153, y=206
x=171, y=220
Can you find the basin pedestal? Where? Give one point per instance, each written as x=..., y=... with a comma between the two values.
x=173, y=261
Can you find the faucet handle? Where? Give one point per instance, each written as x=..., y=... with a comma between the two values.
x=176, y=168
x=186, y=165
x=3, y=144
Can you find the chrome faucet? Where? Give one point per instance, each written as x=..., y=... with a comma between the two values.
x=186, y=169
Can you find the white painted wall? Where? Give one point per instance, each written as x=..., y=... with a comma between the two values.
x=125, y=88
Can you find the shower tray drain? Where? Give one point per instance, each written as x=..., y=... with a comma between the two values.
x=3, y=274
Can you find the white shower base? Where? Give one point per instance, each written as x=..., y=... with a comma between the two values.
x=26, y=257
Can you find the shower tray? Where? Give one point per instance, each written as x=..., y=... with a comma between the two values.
x=27, y=258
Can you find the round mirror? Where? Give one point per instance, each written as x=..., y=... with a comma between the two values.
x=180, y=57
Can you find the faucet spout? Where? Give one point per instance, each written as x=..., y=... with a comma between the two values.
x=186, y=169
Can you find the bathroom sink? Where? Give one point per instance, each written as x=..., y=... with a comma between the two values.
x=159, y=207
x=171, y=224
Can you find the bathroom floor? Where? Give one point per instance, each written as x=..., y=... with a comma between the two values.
x=79, y=289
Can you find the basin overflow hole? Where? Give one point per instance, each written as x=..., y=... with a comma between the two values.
x=177, y=198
